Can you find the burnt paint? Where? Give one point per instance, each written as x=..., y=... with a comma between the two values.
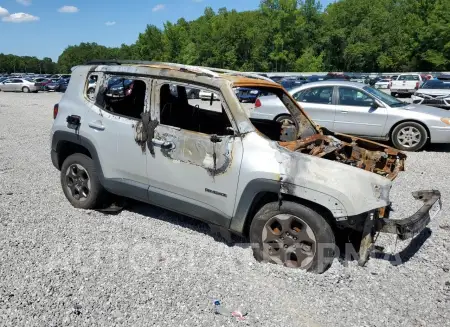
x=197, y=149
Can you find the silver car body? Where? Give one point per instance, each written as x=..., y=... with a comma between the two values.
x=360, y=118
x=17, y=85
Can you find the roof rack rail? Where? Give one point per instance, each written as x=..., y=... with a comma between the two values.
x=194, y=69
x=210, y=71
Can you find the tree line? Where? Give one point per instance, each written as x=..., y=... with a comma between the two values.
x=296, y=35
x=10, y=64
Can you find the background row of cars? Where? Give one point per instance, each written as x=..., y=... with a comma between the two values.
x=34, y=83
x=361, y=110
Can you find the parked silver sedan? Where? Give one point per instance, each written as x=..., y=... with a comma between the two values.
x=19, y=85
x=358, y=109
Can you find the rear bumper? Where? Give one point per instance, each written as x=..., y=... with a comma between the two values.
x=403, y=91
x=408, y=227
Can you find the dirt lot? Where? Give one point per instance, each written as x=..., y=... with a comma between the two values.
x=61, y=266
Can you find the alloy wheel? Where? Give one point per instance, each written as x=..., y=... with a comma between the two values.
x=409, y=136
x=288, y=240
x=78, y=182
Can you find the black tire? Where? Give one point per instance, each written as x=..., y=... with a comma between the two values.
x=283, y=118
x=97, y=194
x=399, y=131
x=324, y=245
x=25, y=89
x=393, y=94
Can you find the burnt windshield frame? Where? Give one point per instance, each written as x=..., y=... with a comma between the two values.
x=304, y=125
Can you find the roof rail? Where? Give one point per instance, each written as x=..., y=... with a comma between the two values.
x=189, y=68
x=210, y=71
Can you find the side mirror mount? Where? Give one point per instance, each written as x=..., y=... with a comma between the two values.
x=374, y=105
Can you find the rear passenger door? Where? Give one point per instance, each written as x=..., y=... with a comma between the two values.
x=196, y=159
x=318, y=104
x=113, y=113
x=357, y=114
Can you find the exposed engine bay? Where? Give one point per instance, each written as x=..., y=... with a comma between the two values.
x=377, y=158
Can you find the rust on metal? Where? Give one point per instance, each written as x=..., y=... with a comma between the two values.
x=367, y=155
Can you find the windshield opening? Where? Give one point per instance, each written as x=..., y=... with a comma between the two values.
x=386, y=98
x=290, y=125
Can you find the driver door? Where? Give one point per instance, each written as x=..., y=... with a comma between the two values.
x=357, y=115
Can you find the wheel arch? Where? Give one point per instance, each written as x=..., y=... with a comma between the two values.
x=260, y=192
x=65, y=144
x=282, y=114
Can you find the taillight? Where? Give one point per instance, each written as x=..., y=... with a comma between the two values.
x=390, y=85
x=257, y=103
x=55, y=111
x=417, y=85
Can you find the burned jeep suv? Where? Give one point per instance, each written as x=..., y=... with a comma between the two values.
x=291, y=188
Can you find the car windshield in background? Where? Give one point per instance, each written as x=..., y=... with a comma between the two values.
x=386, y=98
x=433, y=84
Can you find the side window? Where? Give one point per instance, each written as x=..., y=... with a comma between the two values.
x=401, y=78
x=322, y=95
x=415, y=77
x=123, y=96
x=17, y=81
x=354, y=97
x=299, y=95
x=194, y=109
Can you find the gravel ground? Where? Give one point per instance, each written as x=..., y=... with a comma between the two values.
x=61, y=266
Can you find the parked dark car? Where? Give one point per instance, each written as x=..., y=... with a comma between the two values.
x=336, y=76
x=119, y=88
x=245, y=94
x=277, y=78
x=314, y=78
x=292, y=81
x=58, y=86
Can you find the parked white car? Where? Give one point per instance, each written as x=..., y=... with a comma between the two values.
x=19, y=85
x=205, y=95
x=383, y=84
x=406, y=84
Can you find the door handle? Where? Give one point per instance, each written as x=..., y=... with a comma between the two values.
x=344, y=111
x=163, y=144
x=97, y=125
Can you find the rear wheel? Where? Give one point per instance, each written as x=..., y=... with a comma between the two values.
x=80, y=182
x=285, y=119
x=409, y=136
x=292, y=235
x=25, y=89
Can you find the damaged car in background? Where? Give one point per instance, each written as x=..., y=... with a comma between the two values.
x=291, y=188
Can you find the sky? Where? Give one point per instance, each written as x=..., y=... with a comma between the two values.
x=44, y=28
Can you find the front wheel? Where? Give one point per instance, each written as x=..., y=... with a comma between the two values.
x=292, y=235
x=409, y=136
x=80, y=182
